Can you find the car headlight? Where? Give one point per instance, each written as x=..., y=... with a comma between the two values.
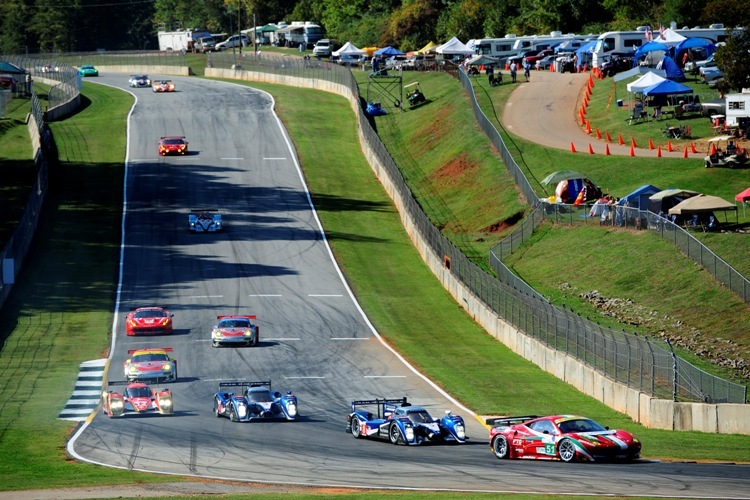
x=460, y=431
x=132, y=369
x=167, y=367
x=217, y=334
x=291, y=409
x=249, y=333
x=166, y=402
x=116, y=404
x=241, y=410
x=409, y=431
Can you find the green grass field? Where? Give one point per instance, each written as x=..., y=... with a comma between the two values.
x=60, y=312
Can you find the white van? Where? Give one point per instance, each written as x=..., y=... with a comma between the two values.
x=233, y=41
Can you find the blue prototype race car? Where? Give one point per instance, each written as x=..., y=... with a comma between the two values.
x=256, y=402
x=139, y=81
x=401, y=422
x=205, y=221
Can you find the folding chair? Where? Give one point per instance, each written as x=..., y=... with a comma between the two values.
x=657, y=114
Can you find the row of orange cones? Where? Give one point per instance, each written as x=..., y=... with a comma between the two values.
x=632, y=148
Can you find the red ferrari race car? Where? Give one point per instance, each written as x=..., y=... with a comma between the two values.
x=150, y=365
x=137, y=398
x=162, y=86
x=563, y=437
x=148, y=321
x=172, y=146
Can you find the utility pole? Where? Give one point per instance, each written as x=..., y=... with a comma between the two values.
x=255, y=37
x=239, y=23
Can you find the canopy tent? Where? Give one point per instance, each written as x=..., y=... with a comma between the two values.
x=702, y=203
x=670, y=38
x=388, y=52
x=562, y=175
x=645, y=81
x=7, y=68
x=454, y=46
x=349, y=49
x=652, y=46
x=694, y=43
x=369, y=50
x=662, y=201
x=583, y=54
x=428, y=49
x=482, y=60
x=743, y=198
x=639, y=197
x=667, y=87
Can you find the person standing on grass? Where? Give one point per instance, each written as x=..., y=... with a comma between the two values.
x=513, y=69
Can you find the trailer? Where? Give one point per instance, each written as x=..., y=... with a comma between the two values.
x=182, y=40
x=738, y=110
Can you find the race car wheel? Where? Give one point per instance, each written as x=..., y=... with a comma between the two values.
x=216, y=409
x=708, y=164
x=500, y=447
x=567, y=450
x=394, y=434
x=356, y=428
x=233, y=415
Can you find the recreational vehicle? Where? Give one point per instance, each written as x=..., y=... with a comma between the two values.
x=624, y=42
x=511, y=45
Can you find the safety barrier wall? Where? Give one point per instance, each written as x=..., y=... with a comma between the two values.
x=463, y=280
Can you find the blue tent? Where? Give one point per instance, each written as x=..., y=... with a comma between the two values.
x=667, y=87
x=11, y=69
x=388, y=51
x=673, y=71
x=649, y=47
x=693, y=43
x=639, y=198
x=583, y=54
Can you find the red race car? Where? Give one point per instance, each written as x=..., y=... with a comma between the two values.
x=173, y=146
x=153, y=364
x=162, y=86
x=149, y=321
x=563, y=437
x=137, y=398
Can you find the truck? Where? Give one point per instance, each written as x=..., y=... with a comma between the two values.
x=324, y=48
x=182, y=40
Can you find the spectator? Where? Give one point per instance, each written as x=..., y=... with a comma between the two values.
x=526, y=69
x=513, y=69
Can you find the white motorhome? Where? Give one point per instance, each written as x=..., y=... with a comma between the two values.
x=181, y=40
x=738, y=109
x=625, y=42
x=511, y=45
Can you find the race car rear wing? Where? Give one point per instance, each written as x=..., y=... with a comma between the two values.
x=128, y=382
x=236, y=316
x=149, y=307
x=165, y=349
x=505, y=421
x=238, y=383
x=203, y=210
x=380, y=403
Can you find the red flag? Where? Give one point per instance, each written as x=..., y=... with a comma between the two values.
x=580, y=198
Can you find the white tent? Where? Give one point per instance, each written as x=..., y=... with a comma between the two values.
x=454, y=47
x=349, y=49
x=670, y=38
x=644, y=82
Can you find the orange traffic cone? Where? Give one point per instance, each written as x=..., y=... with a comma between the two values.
x=632, y=142
x=669, y=146
x=591, y=149
x=609, y=138
x=588, y=127
x=650, y=144
x=713, y=149
x=692, y=148
x=507, y=66
x=606, y=149
x=619, y=139
x=583, y=117
x=572, y=147
x=658, y=152
x=584, y=68
x=685, y=154
x=598, y=134
x=632, y=150
x=591, y=81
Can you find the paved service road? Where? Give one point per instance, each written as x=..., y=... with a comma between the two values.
x=273, y=261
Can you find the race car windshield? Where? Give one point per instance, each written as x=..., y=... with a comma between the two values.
x=173, y=141
x=138, y=392
x=145, y=358
x=420, y=417
x=151, y=313
x=260, y=397
x=580, y=425
x=234, y=323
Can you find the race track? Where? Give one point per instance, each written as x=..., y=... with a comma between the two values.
x=273, y=262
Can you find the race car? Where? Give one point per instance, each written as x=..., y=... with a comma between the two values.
x=137, y=398
x=162, y=86
x=401, y=422
x=151, y=364
x=88, y=70
x=149, y=321
x=205, y=221
x=232, y=330
x=562, y=437
x=172, y=145
x=139, y=81
x=257, y=402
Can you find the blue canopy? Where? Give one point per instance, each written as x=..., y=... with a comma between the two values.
x=673, y=71
x=388, y=51
x=650, y=47
x=667, y=87
x=587, y=48
x=9, y=68
x=639, y=197
x=695, y=42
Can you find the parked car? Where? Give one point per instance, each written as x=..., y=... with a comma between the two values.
x=545, y=62
x=714, y=107
x=233, y=41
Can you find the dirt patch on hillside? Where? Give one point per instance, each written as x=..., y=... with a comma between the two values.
x=433, y=131
x=502, y=225
x=452, y=172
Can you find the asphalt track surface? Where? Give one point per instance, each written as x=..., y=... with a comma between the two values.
x=273, y=261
